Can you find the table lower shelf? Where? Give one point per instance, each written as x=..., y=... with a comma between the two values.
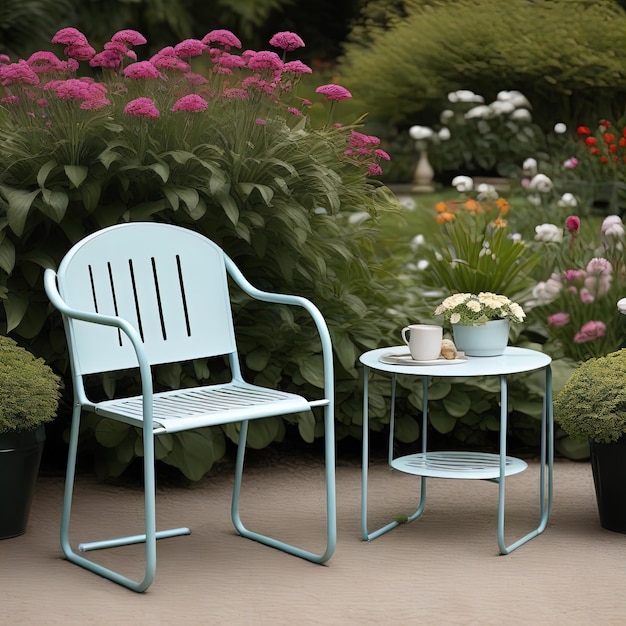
x=466, y=465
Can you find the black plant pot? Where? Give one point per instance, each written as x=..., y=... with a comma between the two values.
x=608, y=465
x=20, y=455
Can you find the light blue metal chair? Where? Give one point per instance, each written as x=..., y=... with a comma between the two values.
x=140, y=294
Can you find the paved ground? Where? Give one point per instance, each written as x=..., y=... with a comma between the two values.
x=442, y=569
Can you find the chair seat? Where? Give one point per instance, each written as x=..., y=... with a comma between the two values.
x=196, y=407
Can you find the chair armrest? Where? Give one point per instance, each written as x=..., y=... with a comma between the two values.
x=279, y=298
x=50, y=286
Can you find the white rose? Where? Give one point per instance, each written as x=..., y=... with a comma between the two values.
x=548, y=233
x=540, y=183
x=567, y=200
x=446, y=115
x=463, y=183
x=455, y=318
x=560, y=128
x=465, y=95
x=420, y=132
x=480, y=111
x=612, y=226
x=548, y=291
x=500, y=107
x=621, y=305
x=530, y=166
x=486, y=192
x=444, y=134
x=521, y=115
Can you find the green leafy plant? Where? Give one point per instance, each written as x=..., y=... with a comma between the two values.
x=406, y=61
x=474, y=248
x=29, y=389
x=592, y=403
x=215, y=141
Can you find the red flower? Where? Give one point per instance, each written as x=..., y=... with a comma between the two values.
x=605, y=123
x=603, y=159
x=590, y=141
x=608, y=137
x=594, y=151
x=583, y=130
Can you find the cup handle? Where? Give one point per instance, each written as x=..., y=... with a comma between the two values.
x=404, y=331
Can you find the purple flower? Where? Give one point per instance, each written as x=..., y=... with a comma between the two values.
x=360, y=140
x=81, y=52
x=142, y=69
x=590, y=331
x=5, y=58
x=265, y=60
x=196, y=79
x=294, y=111
x=222, y=37
x=297, y=67
x=334, y=92
x=131, y=37
x=559, y=319
x=70, y=36
x=381, y=154
x=142, y=107
x=570, y=163
x=190, y=48
x=19, y=72
x=373, y=169
x=44, y=61
x=259, y=121
x=286, y=40
x=107, y=58
x=192, y=103
x=167, y=59
x=230, y=61
x=236, y=93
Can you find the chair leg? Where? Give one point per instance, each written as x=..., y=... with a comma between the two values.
x=149, y=538
x=331, y=507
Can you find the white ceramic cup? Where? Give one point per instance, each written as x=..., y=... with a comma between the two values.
x=424, y=341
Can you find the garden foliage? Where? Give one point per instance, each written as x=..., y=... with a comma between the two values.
x=217, y=141
x=567, y=57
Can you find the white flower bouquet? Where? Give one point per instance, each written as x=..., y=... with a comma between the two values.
x=469, y=309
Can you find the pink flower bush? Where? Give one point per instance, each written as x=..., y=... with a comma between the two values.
x=334, y=92
x=142, y=107
x=191, y=103
x=163, y=85
x=288, y=41
x=590, y=331
x=578, y=303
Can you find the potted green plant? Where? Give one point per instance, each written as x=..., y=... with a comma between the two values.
x=29, y=396
x=592, y=406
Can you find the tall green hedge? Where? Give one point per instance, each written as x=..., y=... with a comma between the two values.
x=568, y=56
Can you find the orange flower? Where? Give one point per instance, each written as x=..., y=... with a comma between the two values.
x=473, y=206
x=500, y=223
x=444, y=217
x=503, y=206
x=441, y=207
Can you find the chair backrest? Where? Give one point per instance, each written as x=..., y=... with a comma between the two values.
x=169, y=282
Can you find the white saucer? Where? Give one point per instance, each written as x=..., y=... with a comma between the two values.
x=404, y=358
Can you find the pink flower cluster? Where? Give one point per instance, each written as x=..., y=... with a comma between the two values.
x=363, y=149
x=248, y=75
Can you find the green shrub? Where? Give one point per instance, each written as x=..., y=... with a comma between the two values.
x=29, y=389
x=250, y=172
x=566, y=57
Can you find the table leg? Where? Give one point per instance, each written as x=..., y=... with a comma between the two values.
x=401, y=519
x=547, y=454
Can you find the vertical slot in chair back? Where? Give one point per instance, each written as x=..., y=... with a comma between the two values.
x=169, y=283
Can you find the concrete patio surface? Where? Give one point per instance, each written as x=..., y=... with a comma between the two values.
x=441, y=569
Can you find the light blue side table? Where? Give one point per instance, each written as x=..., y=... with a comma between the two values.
x=458, y=464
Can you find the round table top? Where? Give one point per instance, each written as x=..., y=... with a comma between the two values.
x=514, y=360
